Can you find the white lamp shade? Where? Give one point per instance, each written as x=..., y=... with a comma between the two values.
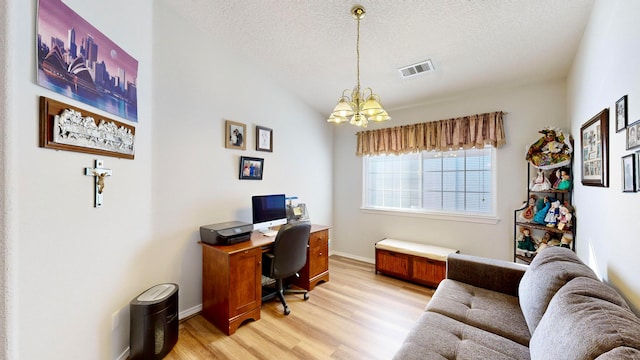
x=372, y=107
x=343, y=109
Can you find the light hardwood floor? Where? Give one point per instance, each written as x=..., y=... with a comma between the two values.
x=356, y=315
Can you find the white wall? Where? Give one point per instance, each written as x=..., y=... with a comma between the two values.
x=529, y=108
x=72, y=266
x=4, y=271
x=605, y=69
x=199, y=82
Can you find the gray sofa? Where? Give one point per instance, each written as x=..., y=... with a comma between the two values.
x=555, y=308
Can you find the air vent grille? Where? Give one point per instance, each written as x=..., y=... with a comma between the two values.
x=415, y=69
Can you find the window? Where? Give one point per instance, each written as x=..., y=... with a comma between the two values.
x=458, y=182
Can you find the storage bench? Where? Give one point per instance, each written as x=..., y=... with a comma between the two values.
x=420, y=263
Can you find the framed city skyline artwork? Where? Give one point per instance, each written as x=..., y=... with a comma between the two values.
x=78, y=61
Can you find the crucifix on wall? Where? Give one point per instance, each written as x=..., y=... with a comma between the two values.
x=99, y=172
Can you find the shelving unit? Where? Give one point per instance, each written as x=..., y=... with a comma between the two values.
x=538, y=231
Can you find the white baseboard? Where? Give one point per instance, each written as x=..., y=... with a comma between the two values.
x=190, y=312
x=354, y=257
x=124, y=355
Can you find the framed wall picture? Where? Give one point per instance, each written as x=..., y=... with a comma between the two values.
x=66, y=127
x=594, y=143
x=65, y=36
x=251, y=168
x=629, y=173
x=633, y=135
x=637, y=172
x=621, y=114
x=235, y=135
x=264, y=139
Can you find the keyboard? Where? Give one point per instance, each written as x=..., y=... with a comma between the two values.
x=269, y=233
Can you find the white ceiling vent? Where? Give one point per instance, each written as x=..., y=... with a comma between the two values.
x=415, y=69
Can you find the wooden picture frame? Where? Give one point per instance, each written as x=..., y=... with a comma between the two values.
x=66, y=127
x=235, y=135
x=621, y=114
x=633, y=135
x=264, y=139
x=594, y=143
x=251, y=168
x=629, y=183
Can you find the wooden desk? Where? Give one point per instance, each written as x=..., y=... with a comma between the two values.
x=232, y=276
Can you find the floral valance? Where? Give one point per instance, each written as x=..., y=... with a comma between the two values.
x=443, y=135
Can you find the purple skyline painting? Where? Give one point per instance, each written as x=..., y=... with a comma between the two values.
x=80, y=62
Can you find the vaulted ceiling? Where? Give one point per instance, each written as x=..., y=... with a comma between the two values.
x=309, y=46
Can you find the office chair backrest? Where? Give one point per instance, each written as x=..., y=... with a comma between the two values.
x=290, y=249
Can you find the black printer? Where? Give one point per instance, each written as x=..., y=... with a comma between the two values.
x=226, y=233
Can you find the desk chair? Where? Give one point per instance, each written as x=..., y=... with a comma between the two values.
x=288, y=256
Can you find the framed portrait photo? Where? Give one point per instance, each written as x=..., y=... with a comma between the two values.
x=629, y=173
x=594, y=144
x=621, y=114
x=251, y=168
x=633, y=135
x=235, y=135
x=264, y=139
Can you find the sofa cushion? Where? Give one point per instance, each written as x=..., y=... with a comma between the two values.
x=436, y=336
x=585, y=320
x=488, y=310
x=549, y=271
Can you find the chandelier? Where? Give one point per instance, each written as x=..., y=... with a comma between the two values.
x=356, y=109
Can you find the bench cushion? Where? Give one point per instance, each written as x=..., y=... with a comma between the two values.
x=416, y=249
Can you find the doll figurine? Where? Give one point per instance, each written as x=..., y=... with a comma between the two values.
x=525, y=242
x=543, y=207
x=530, y=211
x=564, y=217
x=544, y=242
x=565, y=182
x=555, y=178
x=551, y=219
x=540, y=182
x=566, y=240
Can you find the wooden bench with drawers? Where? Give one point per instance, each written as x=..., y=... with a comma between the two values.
x=415, y=262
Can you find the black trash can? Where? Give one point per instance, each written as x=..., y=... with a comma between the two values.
x=154, y=322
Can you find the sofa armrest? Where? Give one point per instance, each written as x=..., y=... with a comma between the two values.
x=491, y=274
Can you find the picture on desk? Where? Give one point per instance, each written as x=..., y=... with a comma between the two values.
x=251, y=168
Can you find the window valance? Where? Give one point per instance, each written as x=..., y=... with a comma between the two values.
x=443, y=135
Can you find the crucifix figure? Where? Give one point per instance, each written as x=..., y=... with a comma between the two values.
x=100, y=173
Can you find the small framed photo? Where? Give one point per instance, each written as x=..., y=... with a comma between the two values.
x=264, y=139
x=621, y=114
x=251, y=168
x=235, y=135
x=629, y=173
x=633, y=135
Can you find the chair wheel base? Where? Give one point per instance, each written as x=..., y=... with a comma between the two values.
x=306, y=296
x=287, y=311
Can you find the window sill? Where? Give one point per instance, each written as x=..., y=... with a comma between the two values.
x=471, y=218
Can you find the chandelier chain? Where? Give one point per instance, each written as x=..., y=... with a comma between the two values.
x=358, y=54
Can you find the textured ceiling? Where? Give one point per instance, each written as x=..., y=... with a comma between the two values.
x=309, y=45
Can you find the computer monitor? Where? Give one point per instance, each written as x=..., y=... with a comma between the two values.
x=268, y=211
